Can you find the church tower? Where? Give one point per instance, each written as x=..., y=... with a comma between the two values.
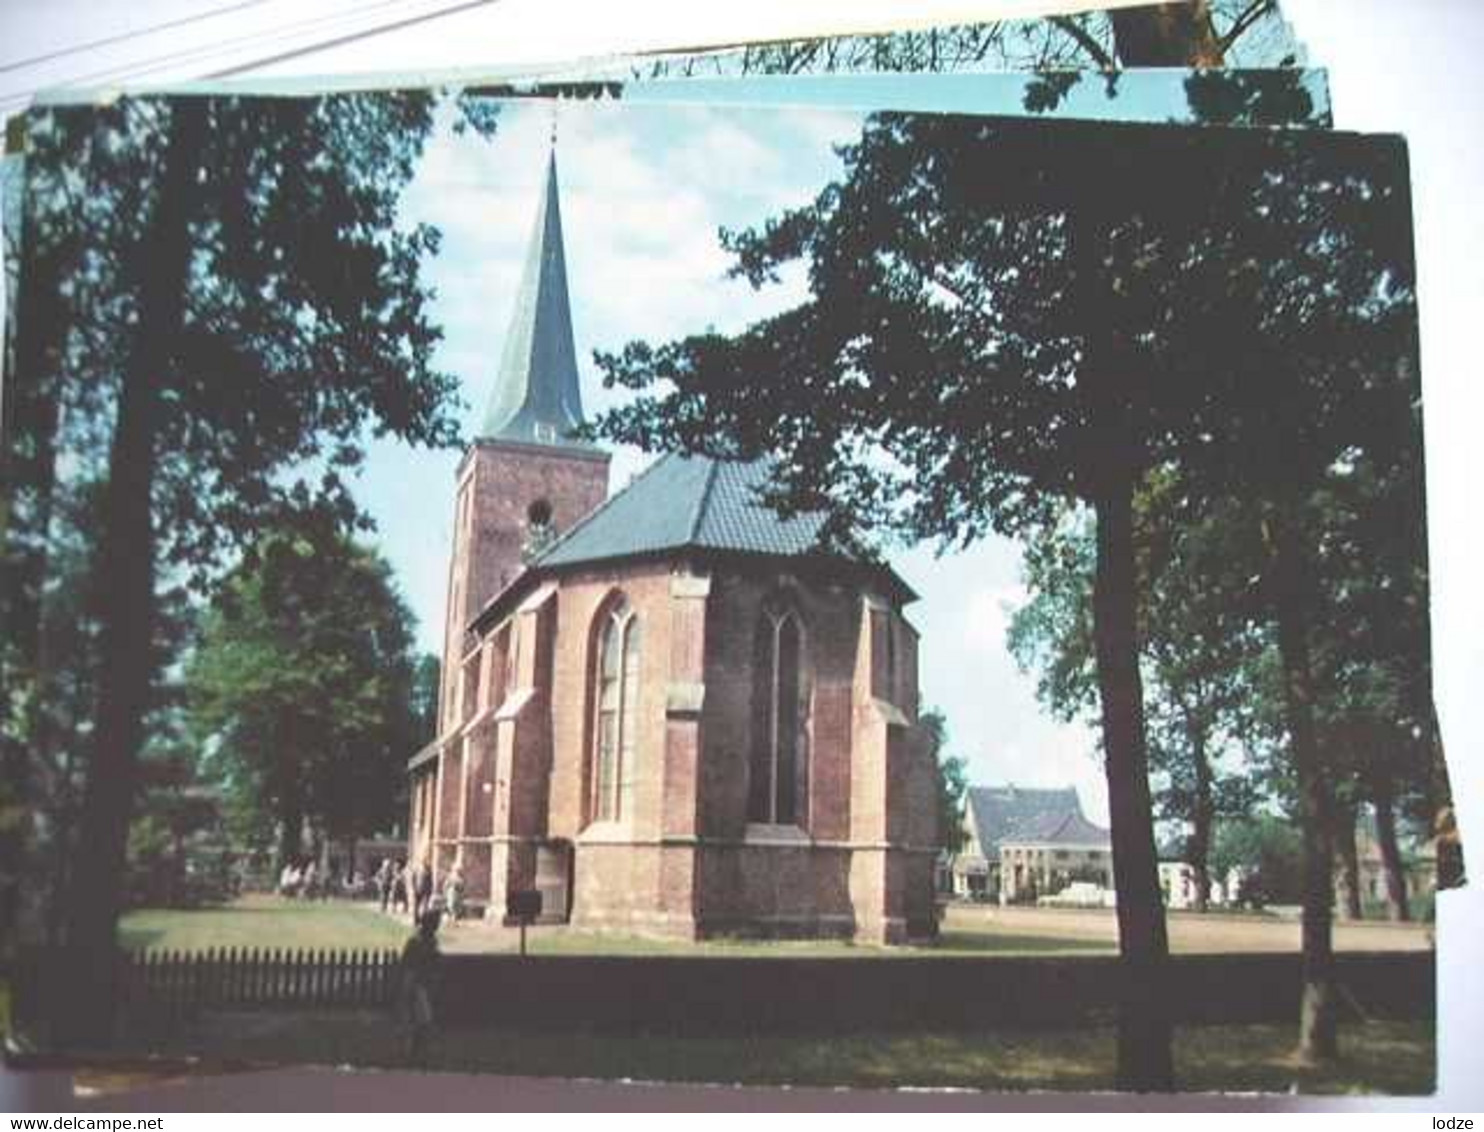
x=525, y=478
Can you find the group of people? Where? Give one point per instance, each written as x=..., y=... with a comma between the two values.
x=408, y=890
x=405, y=889
x=302, y=880
x=309, y=880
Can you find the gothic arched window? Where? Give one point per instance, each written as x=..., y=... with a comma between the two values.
x=616, y=710
x=779, y=777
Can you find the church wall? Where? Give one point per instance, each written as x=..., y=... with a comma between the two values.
x=476, y=867
x=681, y=790
x=511, y=478
x=677, y=903
x=870, y=778
x=479, y=804
x=869, y=721
x=616, y=884
x=507, y=749
x=918, y=801
x=684, y=865
x=647, y=589
x=526, y=716
x=829, y=801
x=894, y=821
x=481, y=774
x=829, y=617
x=912, y=778
x=449, y=787
x=498, y=483
x=763, y=880
x=779, y=890
x=893, y=890
x=617, y=867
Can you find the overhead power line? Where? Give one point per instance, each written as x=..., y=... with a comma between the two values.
x=198, y=59
x=329, y=24
x=128, y=36
x=467, y=5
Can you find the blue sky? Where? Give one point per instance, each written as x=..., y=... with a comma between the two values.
x=1146, y=96
x=644, y=189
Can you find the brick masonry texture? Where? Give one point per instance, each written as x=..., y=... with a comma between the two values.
x=514, y=772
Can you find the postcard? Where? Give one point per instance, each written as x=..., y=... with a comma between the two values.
x=630, y=590
x=1091, y=64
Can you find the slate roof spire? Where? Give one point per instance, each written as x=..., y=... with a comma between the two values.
x=536, y=397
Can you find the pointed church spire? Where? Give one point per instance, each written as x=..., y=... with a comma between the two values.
x=536, y=397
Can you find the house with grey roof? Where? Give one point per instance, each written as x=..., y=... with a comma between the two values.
x=669, y=711
x=1023, y=843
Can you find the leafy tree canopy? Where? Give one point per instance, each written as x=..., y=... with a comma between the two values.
x=229, y=310
x=952, y=779
x=979, y=260
x=303, y=687
x=1236, y=33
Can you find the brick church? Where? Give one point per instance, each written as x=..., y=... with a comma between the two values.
x=666, y=710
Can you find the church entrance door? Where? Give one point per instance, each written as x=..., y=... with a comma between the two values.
x=554, y=880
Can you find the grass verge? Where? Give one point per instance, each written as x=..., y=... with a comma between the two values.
x=1376, y=1057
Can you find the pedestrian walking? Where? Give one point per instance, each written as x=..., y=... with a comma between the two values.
x=453, y=893
x=400, y=885
x=422, y=891
x=385, y=874
x=419, y=983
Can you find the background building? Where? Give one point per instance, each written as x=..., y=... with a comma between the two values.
x=1022, y=843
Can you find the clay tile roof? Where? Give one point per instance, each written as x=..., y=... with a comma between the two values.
x=687, y=502
x=1030, y=815
x=1058, y=829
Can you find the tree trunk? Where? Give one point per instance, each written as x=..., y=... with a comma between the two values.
x=290, y=834
x=1345, y=849
x=1113, y=462
x=1391, y=855
x=1289, y=584
x=1198, y=849
x=28, y=473
x=177, y=872
x=1166, y=35
x=126, y=559
x=1145, y=1058
x=64, y=805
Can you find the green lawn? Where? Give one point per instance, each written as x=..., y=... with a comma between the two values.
x=1377, y=1057
x=565, y=942
x=262, y=921
x=270, y=921
x=1380, y=1057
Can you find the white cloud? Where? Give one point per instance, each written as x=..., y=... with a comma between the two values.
x=987, y=614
